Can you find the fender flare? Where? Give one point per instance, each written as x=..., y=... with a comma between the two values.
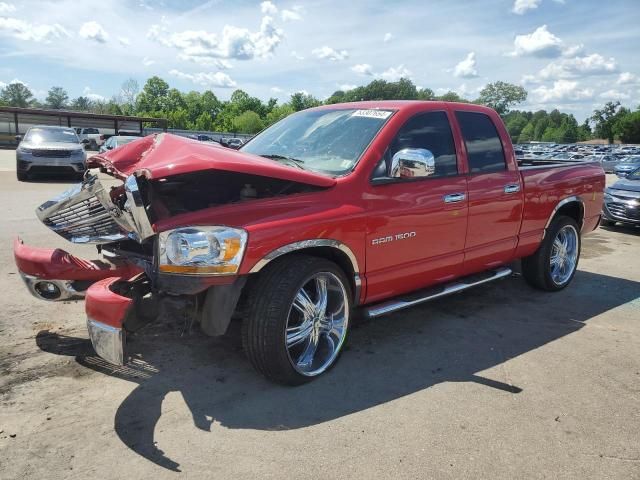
x=562, y=203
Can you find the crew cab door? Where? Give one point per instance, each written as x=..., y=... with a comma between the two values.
x=494, y=189
x=416, y=226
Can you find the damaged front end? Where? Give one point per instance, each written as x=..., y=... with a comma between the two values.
x=187, y=271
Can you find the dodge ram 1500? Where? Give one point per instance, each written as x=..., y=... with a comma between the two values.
x=375, y=205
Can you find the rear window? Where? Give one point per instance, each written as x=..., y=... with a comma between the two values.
x=484, y=148
x=91, y=130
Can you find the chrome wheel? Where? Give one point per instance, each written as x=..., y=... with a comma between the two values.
x=317, y=324
x=564, y=255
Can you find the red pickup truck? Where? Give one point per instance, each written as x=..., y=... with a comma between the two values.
x=376, y=205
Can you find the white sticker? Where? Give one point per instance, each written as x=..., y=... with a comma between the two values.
x=381, y=114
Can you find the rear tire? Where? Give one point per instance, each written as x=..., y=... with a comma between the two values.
x=553, y=265
x=297, y=319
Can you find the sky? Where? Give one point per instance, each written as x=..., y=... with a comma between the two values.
x=574, y=55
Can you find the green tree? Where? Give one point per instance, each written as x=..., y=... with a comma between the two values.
x=57, y=98
x=204, y=122
x=501, y=96
x=451, y=97
x=82, y=104
x=278, y=113
x=153, y=96
x=605, y=120
x=248, y=122
x=628, y=127
x=584, y=131
x=527, y=134
x=17, y=94
x=302, y=101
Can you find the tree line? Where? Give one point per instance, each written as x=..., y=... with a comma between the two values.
x=243, y=113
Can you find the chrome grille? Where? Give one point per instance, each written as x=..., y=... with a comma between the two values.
x=622, y=210
x=51, y=153
x=80, y=216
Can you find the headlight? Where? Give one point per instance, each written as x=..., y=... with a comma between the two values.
x=24, y=150
x=607, y=196
x=201, y=250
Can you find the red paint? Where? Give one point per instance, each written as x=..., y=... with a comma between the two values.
x=50, y=264
x=489, y=228
x=105, y=306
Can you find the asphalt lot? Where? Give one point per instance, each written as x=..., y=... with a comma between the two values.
x=499, y=382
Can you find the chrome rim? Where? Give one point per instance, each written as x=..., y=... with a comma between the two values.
x=564, y=255
x=317, y=324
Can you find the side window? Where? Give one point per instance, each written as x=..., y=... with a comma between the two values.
x=432, y=131
x=484, y=148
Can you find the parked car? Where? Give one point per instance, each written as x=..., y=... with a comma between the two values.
x=622, y=201
x=90, y=137
x=627, y=165
x=116, y=141
x=234, y=143
x=357, y=204
x=47, y=149
x=608, y=162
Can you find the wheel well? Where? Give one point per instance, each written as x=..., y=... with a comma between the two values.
x=333, y=254
x=574, y=210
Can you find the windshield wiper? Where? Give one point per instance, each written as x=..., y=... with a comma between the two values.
x=296, y=162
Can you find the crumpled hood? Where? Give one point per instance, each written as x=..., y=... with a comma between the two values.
x=164, y=155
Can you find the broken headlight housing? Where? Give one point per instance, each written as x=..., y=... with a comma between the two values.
x=200, y=250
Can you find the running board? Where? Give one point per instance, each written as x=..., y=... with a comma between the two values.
x=435, y=292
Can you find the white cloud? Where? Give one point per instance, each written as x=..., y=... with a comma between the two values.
x=124, y=41
x=540, y=43
x=234, y=42
x=345, y=87
x=206, y=79
x=147, y=62
x=393, y=74
x=387, y=37
x=328, y=53
x=594, y=64
x=7, y=7
x=467, y=67
x=276, y=90
x=522, y=6
x=291, y=15
x=93, y=31
x=31, y=31
x=626, y=78
x=562, y=91
x=268, y=8
x=363, y=69
x=94, y=97
x=615, y=95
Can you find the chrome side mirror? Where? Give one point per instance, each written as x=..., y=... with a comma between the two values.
x=413, y=163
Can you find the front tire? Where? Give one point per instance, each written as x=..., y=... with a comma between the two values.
x=297, y=319
x=22, y=176
x=553, y=265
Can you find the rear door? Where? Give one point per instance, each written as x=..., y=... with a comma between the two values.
x=495, y=193
x=416, y=227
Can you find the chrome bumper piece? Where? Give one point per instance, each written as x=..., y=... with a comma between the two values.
x=107, y=341
x=51, y=290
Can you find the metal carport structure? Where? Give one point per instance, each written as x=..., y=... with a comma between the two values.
x=16, y=121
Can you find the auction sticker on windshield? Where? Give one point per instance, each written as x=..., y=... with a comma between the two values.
x=382, y=114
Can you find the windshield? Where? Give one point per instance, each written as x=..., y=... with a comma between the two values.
x=329, y=141
x=635, y=175
x=51, y=135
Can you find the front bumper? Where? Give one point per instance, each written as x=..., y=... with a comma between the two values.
x=33, y=164
x=621, y=212
x=53, y=274
x=107, y=312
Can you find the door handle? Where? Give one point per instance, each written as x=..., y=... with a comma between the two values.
x=454, y=197
x=512, y=188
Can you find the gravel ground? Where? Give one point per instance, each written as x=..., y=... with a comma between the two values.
x=499, y=382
